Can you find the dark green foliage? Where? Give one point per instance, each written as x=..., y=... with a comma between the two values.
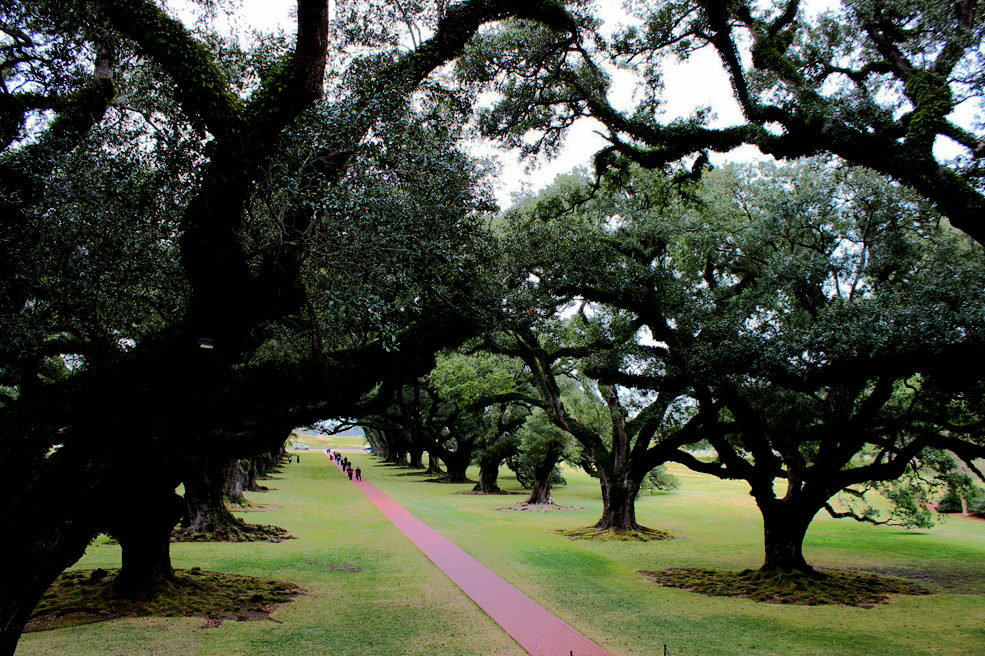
x=798, y=319
x=163, y=191
x=660, y=480
x=963, y=497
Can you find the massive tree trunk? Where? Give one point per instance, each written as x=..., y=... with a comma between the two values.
x=488, y=477
x=416, y=457
x=785, y=526
x=205, y=505
x=618, y=502
x=457, y=465
x=540, y=492
x=235, y=483
x=35, y=555
x=144, y=534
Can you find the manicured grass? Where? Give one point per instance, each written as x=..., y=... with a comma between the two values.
x=597, y=587
x=371, y=592
x=331, y=441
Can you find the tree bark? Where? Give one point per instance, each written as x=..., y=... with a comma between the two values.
x=204, y=500
x=540, y=490
x=36, y=561
x=618, y=502
x=456, y=469
x=257, y=468
x=416, y=458
x=785, y=526
x=235, y=483
x=434, y=465
x=144, y=535
x=488, y=478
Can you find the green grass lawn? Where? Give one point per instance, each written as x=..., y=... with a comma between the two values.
x=370, y=592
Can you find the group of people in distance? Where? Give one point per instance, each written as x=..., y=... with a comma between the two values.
x=346, y=466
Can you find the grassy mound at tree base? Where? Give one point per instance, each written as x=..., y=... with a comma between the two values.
x=241, y=532
x=86, y=596
x=828, y=587
x=641, y=534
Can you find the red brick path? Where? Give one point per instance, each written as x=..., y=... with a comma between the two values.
x=537, y=630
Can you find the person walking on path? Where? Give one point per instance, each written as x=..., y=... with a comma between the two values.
x=359, y=473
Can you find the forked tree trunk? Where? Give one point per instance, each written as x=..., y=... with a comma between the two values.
x=434, y=464
x=416, y=458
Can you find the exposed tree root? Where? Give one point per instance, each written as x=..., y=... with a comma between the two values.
x=641, y=534
x=539, y=507
x=86, y=596
x=778, y=587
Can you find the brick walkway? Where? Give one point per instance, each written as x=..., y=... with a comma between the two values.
x=537, y=630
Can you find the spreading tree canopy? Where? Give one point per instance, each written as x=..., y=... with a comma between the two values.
x=894, y=85
x=816, y=326
x=220, y=194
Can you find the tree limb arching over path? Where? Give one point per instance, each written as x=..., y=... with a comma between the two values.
x=192, y=404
